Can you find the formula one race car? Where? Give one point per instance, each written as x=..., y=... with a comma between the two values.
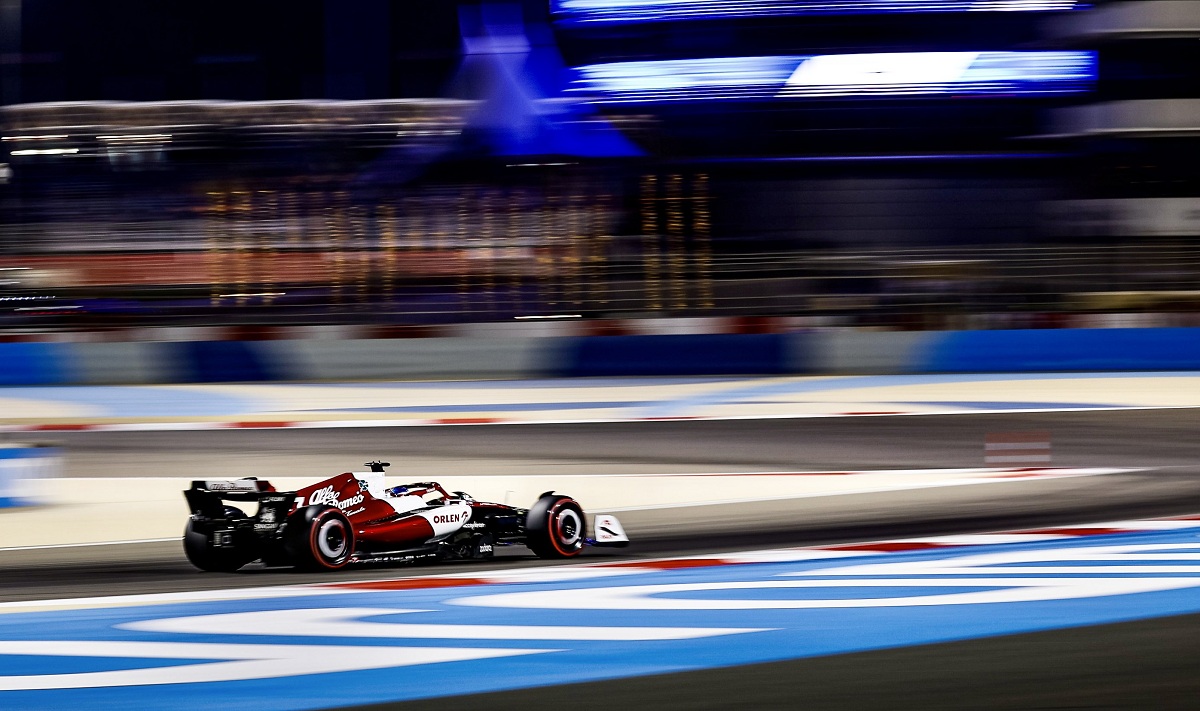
x=353, y=518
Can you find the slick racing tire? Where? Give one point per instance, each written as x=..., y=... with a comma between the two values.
x=319, y=538
x=555, y=527
x=215, y=560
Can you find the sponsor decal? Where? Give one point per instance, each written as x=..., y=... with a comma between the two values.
x=231, y=485
x=353, y=501
x=609, y=530
x=329, y=496
x=396, y=558
x=323, y=496
x=474, y=525
x=451, y=518
x=267, y=516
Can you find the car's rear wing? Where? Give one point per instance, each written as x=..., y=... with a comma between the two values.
x=206, y=497
x=247, y=489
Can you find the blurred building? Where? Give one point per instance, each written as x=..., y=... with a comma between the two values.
x=903, y=163
x=1136, y=138
x=872, y=123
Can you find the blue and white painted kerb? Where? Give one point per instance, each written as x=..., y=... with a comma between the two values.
x=21, y=468
x=342, y=644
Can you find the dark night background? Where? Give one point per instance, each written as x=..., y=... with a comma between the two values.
x=371, y=130
x=138, y=50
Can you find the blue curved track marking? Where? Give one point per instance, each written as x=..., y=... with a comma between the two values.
x=140, y=401
x=727, y=615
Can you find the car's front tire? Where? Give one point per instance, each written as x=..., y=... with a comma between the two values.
x=555, y=527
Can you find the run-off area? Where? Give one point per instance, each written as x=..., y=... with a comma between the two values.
x=344, y=643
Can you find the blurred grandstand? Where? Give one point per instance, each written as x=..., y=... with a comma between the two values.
x=911, y=164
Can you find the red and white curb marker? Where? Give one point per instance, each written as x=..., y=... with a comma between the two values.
x=328, y=424
x=1030, y=448
x=248, y=425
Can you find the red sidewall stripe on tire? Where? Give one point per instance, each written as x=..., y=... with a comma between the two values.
x=314, y=545
x=556, y=530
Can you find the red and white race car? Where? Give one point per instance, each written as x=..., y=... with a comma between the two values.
x=355, y=518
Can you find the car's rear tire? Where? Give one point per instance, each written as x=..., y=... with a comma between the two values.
x=225, y=559
x=319, y=538
x=555, y=527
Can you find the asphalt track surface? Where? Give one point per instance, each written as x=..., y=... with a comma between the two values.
x=1146, y=664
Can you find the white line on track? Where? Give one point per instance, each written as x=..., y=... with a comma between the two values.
x=89, y=545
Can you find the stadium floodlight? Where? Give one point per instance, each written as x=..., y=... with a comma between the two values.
x=635, y=11
x=837, y=75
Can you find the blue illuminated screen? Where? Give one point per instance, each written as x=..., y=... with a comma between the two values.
x=837, y=75
x=595, y=11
